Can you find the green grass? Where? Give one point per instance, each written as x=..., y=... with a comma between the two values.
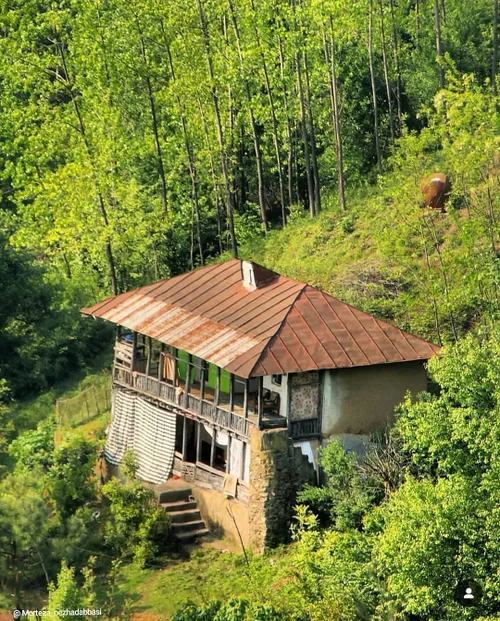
x=207, y=574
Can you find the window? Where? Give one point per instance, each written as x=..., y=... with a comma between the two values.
x=276, y=379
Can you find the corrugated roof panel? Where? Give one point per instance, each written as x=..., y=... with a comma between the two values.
x=310, y=305
x=281, y=327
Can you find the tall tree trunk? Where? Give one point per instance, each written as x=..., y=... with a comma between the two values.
x=100, y=200
x=193, y=173
x=330, y=59
x=395, y=50
x=215, y=185
x=314, y=157
x=417, y=23
x=220, y=134
x=276, y=142
x=253, y=124
x=439, y=42
x=494, y=59
x=374, y=90
x=289, y=136
x=303, y=127
x=386, y=71
x=154, y=119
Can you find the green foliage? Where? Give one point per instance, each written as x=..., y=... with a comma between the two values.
x=457, y=431
x=137, y=526
x=233, y=610
x=24, y=531
x=70, y=480
x=345, y=497
x=34, y=449
x=67, y=594
x=43, y=337
x=129, y=465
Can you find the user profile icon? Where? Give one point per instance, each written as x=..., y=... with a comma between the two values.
x=468, y=593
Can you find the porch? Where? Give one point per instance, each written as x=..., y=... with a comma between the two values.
x=191, y=384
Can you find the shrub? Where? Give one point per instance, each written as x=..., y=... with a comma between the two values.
x=137, y=526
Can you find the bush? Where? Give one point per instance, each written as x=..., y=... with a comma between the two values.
x=70, y=480
x=345, y=497
x=235, y=609
x=137, y=526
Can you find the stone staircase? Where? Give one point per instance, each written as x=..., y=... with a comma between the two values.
x=186, y=520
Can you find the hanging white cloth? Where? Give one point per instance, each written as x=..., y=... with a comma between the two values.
x=235, y=457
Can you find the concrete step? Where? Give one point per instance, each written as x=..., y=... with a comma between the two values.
x=185, y=527
x=174, y=495
x=187, y=536
x=180, y=517
x=182, y=505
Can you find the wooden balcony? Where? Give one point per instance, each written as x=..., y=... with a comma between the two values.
x=305, y=428
x=190, y=403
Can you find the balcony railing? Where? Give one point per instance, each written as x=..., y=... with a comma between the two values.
x=304, y=428
x=176, y=396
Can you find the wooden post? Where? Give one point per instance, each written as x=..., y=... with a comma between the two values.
x=259, y=404
x=198, y=441
x=231, y=392
x=86, y=404
x=134, y=352
x=243, y=457
x=217, y=388
x=184, y=439
x=288, y=402
x=148, y=362
x=228, y=452
x=160, y=364
x=212, y=450
x=174, y=379
x=245, y=399
x=188, y=381
x=202, y=385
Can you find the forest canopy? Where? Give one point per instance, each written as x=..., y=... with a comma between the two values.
x=138, y=140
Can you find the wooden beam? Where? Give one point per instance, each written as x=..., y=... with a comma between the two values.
x=231, y=392
x=160, y=362
x=148, y=362
x=288, y=403
x=212, y=450
x=134, y=352
x=188, y=381
x=217, y=388
x=202, y=384
x=228, y=452
x=160, y=366
x=199, y=427
x=245, y=399
x=174, y=379
x=184, y=439
x=243, y=457
x=260, y=403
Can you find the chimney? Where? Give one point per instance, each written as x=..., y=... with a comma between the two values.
x=255, y=276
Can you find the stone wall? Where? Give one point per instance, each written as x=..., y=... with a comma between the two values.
x=277, y=471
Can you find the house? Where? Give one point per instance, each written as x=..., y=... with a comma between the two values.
x=232, y=376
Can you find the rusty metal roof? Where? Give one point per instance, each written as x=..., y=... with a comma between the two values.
x=282, y=326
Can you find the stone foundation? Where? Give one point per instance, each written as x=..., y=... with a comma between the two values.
x=277, y=471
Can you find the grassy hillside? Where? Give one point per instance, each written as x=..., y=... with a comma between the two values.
x=432, y=273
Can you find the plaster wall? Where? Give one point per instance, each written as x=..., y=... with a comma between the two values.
x=217, y=510
x=281, y=390
x=360, y=401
